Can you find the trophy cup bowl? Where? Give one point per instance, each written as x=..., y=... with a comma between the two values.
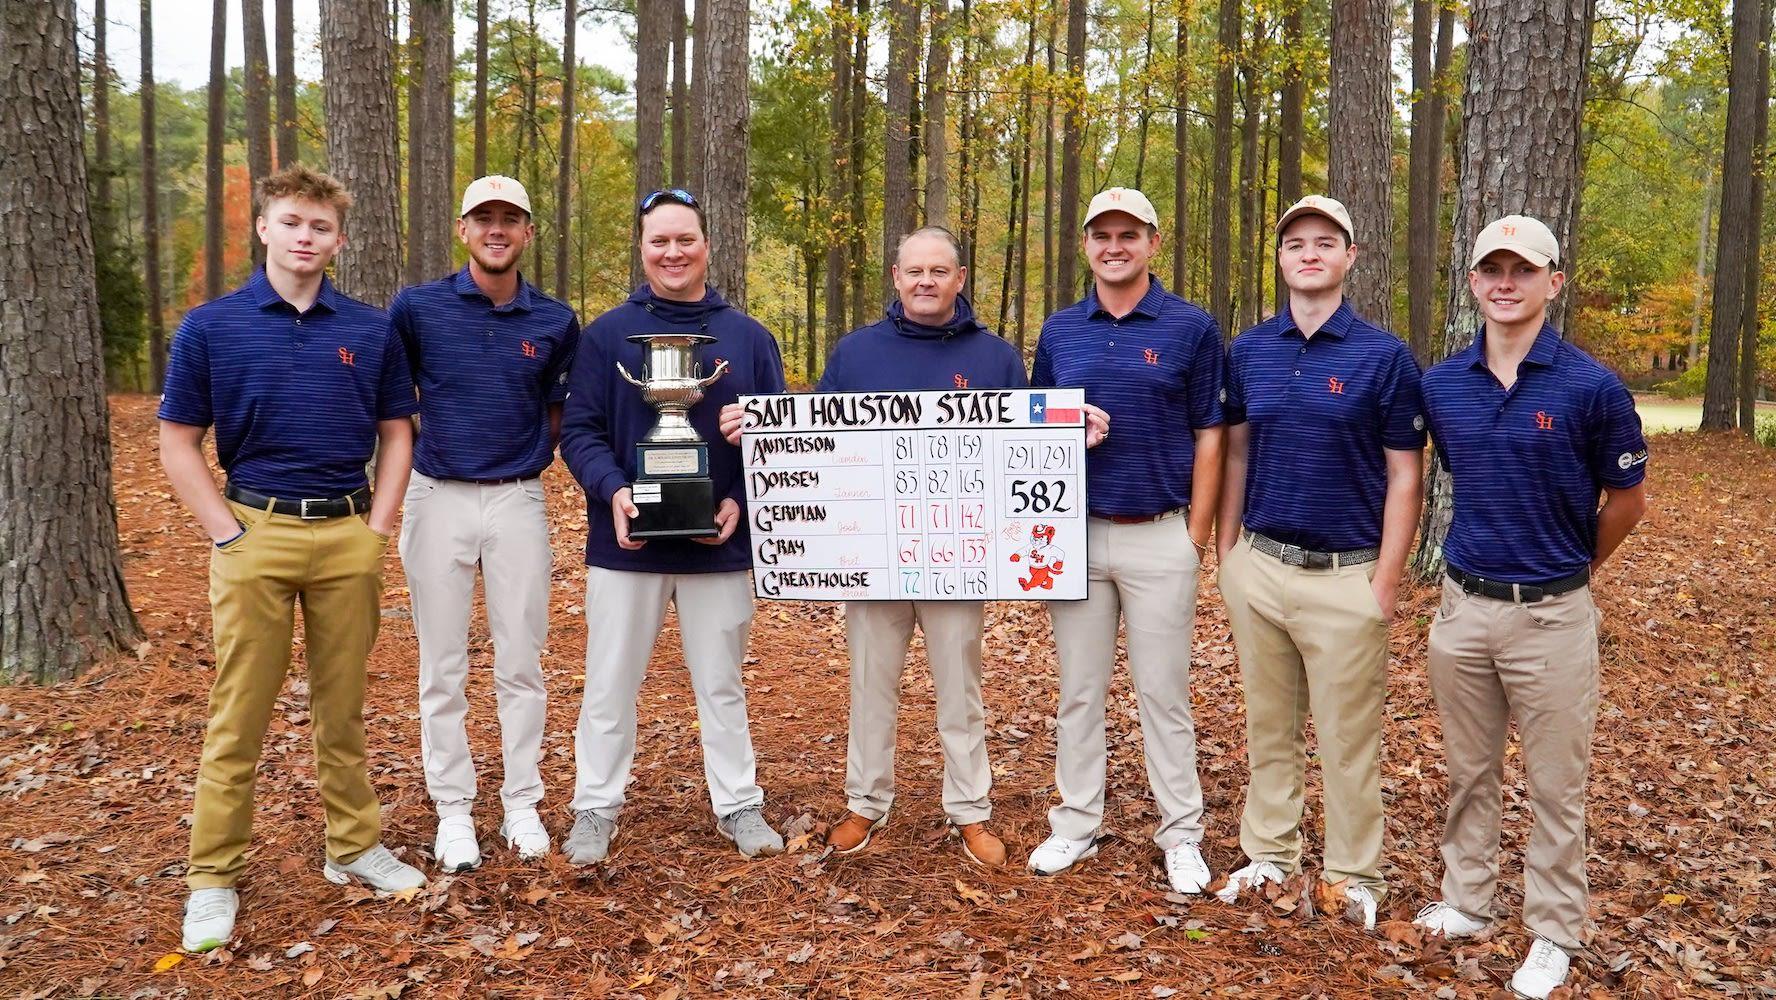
x=672, y=492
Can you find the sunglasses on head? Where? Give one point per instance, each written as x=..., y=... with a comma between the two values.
x=676, y=195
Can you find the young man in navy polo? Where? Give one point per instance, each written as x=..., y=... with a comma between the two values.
x=1325, y=448
x=1153, y=361
x=1534, y=431
x=490, y=354
x=629, y=582
x=303, y=386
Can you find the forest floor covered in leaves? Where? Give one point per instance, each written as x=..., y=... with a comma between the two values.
x=96, y=780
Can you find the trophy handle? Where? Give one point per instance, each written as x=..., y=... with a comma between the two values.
x=720, y=370
x=632, y=380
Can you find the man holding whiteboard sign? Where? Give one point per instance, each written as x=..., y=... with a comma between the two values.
x=929, y=340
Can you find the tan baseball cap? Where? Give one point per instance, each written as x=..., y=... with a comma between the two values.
x=1319, y=204
x=1121, y=200
x=494, y=187
x=1526, y=237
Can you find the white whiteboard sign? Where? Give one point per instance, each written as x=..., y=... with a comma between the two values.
x=971, y=495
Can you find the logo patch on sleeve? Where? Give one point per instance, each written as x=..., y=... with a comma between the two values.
x=1630, y=459
x=1418, y=422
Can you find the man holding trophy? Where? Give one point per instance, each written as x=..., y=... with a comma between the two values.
x=664, y=494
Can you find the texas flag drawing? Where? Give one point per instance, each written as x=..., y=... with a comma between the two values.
x=1042, y=413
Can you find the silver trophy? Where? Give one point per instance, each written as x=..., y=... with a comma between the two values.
x=672, y=492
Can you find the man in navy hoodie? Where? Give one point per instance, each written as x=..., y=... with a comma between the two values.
x=929, y=340
x=629, y=582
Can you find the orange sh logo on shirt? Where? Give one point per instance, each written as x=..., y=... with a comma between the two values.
x=1543, y=421
x=1334, y=386
x=961, y=380
x=347, y=357
x=529, y=349
x=1151, y=356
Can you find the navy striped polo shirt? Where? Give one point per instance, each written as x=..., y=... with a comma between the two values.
x=294, y=397
x=486, y=375
x=1157, y=372
x=1323, y=409
x=1530, y=462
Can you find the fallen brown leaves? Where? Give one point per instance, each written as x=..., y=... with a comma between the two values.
x=96, y=782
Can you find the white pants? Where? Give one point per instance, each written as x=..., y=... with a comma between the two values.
x=1144, y=574
x=878, y=633
x=451, y=527
x=624, y=612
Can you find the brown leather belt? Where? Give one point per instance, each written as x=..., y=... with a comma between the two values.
x=1141, y=518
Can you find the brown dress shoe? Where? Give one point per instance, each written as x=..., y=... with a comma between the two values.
x=981, y=846
x=852, y=834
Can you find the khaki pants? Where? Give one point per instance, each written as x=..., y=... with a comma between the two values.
x=450, y=530
x=1491, y=660
x=334, y=567
x=1310, y=639
x=623, y=615
x=1145, y=576
x=878, y=634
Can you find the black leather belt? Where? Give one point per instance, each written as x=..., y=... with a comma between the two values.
x=310, y=509
x=1522, y=593
x=1295, y=555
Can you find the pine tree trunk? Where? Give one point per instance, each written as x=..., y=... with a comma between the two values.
x=1294, y=93
x=652, y=26
x=284, y=29
x=1519, y=154
x=726, y=134
x=1221, y=197
x=63, y=605
x=157, y=346
x=533, y=127
x=1749, y=322
x=1360, y=165
x=1072, y=145
x=357, y=58
x=413, y=268
x=1021, y=219
x=966, y=212
x=1737, y=232
x=680, y=95
x=1144, y=117
x=1048, y=169
x=565, y=148
x=256, y=89
x=1421, y=199
x=440, y=63
x=1247, y=308
x=897, y=181
x=839, y=108
x=937, y=139
x=480, y=88
x=213, y=176
x=699, y=89
x=1181, y=152
x=1701, y=268
x=859, y=256
x=102, y=103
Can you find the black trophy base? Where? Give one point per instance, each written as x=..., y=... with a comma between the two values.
x=673, y=508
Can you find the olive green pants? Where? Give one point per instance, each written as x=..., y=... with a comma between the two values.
x=334, y=567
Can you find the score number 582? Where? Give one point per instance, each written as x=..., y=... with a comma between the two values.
x=1039, y=496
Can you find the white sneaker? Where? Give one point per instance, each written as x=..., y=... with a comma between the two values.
x=1186, y=869
x=1253, y=876
x=1441, y=918
x=1542, y=971
x=376, y=868
x=1364, y=898
x=524, y=833
x=1057, y=854
x=209, y=919
x=454, y=848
